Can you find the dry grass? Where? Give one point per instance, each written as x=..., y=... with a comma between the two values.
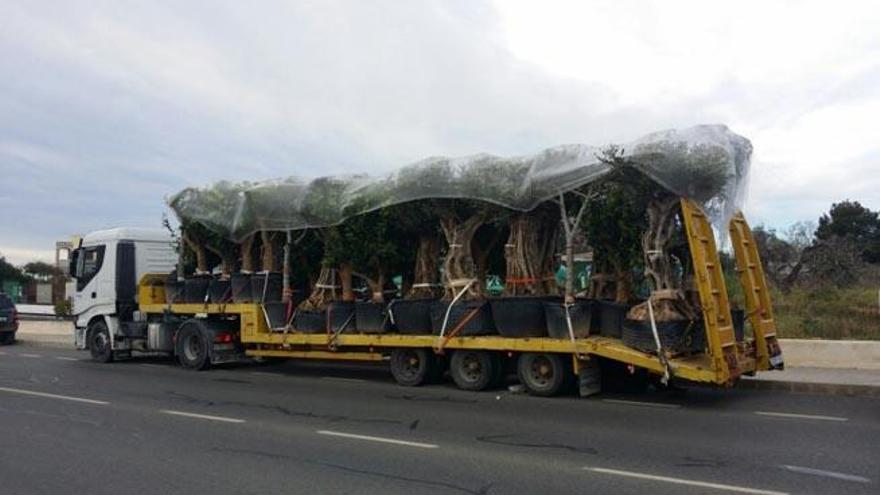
x=827, y=313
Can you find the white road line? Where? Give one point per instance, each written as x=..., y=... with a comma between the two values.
x=341, y=379
x=680, y=481
x=65, y=358
x=801, y=416
x=28, y=355
x=827, y=474
x=377, y=439
x=201, y=416
x=643, y=404
x=52, y=396
x=2, y=353
x=151, y=365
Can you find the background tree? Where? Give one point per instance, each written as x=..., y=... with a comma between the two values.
x=41, y=270
x=8, y=272
x=850, y=220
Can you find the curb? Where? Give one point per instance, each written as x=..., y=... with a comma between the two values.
x=812, y=388
x=62, y=341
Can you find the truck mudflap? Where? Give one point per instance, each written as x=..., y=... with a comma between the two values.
x=79, y=338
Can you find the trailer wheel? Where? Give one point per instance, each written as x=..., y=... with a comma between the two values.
x=193, y=346
x=473, y=370
x=413, y=366
x=100, y=345
x=543, y=375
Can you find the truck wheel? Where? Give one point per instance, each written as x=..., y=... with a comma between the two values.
x=193, y=347
x=473, y=370
x=99, y=342
x=413, y=366
x=7, y=338
x=543, y=375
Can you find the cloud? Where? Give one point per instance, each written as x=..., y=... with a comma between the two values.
x=108, y=107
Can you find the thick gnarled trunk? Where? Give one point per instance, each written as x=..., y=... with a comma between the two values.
x=459, y=265
x=528, y=252
x=426, y=271
x=326, y=290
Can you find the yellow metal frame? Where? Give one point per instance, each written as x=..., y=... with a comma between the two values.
x=721, y=365
x=757, y=296
x=713, y=293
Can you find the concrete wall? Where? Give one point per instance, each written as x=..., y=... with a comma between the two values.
x=860, y=354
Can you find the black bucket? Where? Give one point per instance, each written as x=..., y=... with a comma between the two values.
x=581, y=313
x=371, y=317
x=241, y=287
x=480, y=324
x=739, y=323
x=412, y=316
x=519, y=316
x=310, y=321
x=314, y=321
x=219, y=291
x=611, y=316
x=173, y=289
x=342, y=313
x=276, y=313
x=195, y=289
x=266, y=287
x=675, y=336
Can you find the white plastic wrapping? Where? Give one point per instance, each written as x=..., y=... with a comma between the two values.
x=676, y=159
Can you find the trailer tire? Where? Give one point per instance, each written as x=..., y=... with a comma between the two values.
x=543, y=375
x=413, y=366
x=193, y=346
x=473, y=370
x=100, y=345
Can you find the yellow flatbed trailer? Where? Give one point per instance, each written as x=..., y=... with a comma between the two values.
x=722, y=363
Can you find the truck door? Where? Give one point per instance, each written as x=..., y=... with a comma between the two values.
x=90, y=292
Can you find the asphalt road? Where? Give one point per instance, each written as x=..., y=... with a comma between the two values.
x=68, y=425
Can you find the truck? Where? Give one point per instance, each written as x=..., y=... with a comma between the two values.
x=121, y=308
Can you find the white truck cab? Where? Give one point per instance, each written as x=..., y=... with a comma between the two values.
x=107, y=266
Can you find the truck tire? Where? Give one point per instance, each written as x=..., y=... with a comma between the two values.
x=413, y=366
x=193, y=346
x=473, y=370
x=7, y=338
x=100, y=345
x=543, y=375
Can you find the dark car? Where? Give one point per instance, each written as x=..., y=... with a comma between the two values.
x=8, y=320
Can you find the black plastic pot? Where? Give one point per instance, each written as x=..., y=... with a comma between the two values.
x=266, y=287
x=519, y=316
x=307, y=321
x=371, y=317
x=276, y=313
x=675, y=336
x=611, y=316
x=480, y=324
x=240, y=284
x=412, y=316
x=173, y=289
x=219, y=291
x=340, y=313
x=581, y=313
x=739, y=323
x=195, y=289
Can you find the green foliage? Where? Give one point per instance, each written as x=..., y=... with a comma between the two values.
x=698, y=172
x=850, y=220
x=40, y=270
x=63, y=307
x=8, y=272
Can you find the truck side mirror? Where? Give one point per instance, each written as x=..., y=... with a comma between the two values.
x=72, y=263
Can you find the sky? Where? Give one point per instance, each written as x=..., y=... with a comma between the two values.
x=108, y=108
